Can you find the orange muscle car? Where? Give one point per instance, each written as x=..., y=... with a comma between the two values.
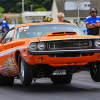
x=48, y=49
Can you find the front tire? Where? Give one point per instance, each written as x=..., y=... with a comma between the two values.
x=95, y=71
x=25, y=71
x=65, y=79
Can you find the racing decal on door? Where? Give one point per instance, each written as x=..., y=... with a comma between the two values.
x=6, y=67
x=13, y=62
x=9, y=67
x=3, y=70
x=12, y=66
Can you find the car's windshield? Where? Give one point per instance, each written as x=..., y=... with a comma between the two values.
x=41, y=30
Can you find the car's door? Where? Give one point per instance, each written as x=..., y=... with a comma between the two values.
x=5, y=52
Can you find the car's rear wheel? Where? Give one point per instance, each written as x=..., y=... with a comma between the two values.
x=9, y=81
x=65, y=79
x=4, y=80
x=95, y=71
x=25, y=71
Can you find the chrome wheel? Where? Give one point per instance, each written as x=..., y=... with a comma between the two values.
x=22, y=69
x=25, y=71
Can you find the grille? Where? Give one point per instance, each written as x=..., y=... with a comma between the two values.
x=69, y=45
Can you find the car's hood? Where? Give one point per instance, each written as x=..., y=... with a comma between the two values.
x=68, y=37
x=51, y=38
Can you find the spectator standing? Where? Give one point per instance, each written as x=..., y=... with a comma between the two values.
x=61, y=18
x=93, y=22
x=5, y=26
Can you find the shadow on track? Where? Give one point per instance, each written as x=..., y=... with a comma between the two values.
x=49, y=87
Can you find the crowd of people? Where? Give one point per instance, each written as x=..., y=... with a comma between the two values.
x=92, y=22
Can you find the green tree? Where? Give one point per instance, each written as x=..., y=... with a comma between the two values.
x=2, y=9
x=41, y=9
x=15, y=6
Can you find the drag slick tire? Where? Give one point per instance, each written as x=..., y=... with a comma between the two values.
x=64, y=79
x=25, y=71
x=6, y=81
x=95, y=71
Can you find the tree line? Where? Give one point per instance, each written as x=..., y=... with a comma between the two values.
x=15, y=6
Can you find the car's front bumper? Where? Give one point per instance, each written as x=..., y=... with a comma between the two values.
x=63, y=51
x=46, y=57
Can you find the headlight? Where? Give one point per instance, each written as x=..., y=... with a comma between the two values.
x=33, y=46
x=41, y=46
x=97, y=43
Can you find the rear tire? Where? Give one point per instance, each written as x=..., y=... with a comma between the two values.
x=25, y=71
x=4, y=80
x=95, y=71
x=9, y=81
x=65, y=79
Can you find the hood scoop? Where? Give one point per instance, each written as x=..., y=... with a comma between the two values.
x=61, y=33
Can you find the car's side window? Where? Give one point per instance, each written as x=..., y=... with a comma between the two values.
x=9, y=36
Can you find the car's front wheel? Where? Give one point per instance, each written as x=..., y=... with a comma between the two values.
x=64, y=79
x=25, y=71
x=95, y=71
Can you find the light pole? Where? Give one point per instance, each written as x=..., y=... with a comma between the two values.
x=23, y=10
x=22, y=6
x=78, y=11
x=31, y=7
x=78, y=8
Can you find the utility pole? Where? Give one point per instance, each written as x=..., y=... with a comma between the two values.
x=22, y=6
x=23, y=9
x=78, y=11
x=31, y=7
